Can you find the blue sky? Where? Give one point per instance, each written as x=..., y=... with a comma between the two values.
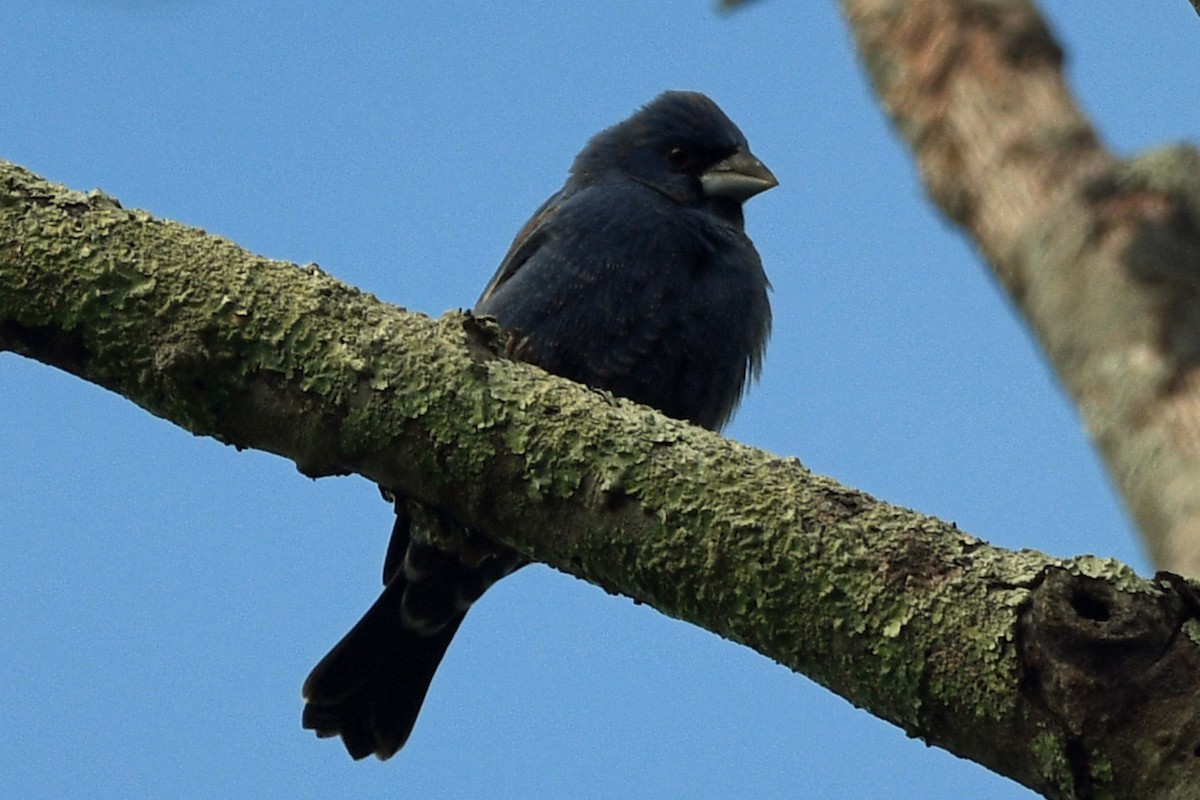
x=162, y=596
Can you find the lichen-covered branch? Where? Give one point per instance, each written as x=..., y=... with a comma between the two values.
x=1069, y=676
x=1102, y=257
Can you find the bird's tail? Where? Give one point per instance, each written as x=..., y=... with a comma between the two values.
x=370, y=687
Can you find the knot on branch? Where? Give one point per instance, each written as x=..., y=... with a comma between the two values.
x=1159, y=191
x=1118, y=668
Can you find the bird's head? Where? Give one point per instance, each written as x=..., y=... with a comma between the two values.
x=682, y=145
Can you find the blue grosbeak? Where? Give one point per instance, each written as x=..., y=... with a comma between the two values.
x=636, y=277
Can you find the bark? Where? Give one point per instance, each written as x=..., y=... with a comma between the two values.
x=1075, y=677
x=1101, y=256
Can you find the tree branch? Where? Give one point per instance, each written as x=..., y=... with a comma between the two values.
x=1068, y=676
x=1101, y=257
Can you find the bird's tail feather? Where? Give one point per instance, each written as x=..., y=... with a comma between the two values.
x=370, y=687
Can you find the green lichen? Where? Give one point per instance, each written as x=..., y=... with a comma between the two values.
x=1121, y=576
x=1191, y=629
x=1052, y=764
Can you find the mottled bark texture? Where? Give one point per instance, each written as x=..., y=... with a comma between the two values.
x=1074, y=677
x=1101, y=256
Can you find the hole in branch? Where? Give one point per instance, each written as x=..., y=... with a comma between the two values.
x=1090, y=606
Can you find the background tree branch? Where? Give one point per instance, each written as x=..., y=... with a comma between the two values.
x=1056, y=673
x=1100, y=256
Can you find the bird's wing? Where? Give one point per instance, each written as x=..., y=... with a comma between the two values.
x=527, y=242
x=612, y=286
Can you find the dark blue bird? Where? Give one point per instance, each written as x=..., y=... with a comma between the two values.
x=637, y=277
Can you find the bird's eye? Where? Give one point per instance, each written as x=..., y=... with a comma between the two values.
x=679, y=158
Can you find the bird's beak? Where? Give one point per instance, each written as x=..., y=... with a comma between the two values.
x=739, y=177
